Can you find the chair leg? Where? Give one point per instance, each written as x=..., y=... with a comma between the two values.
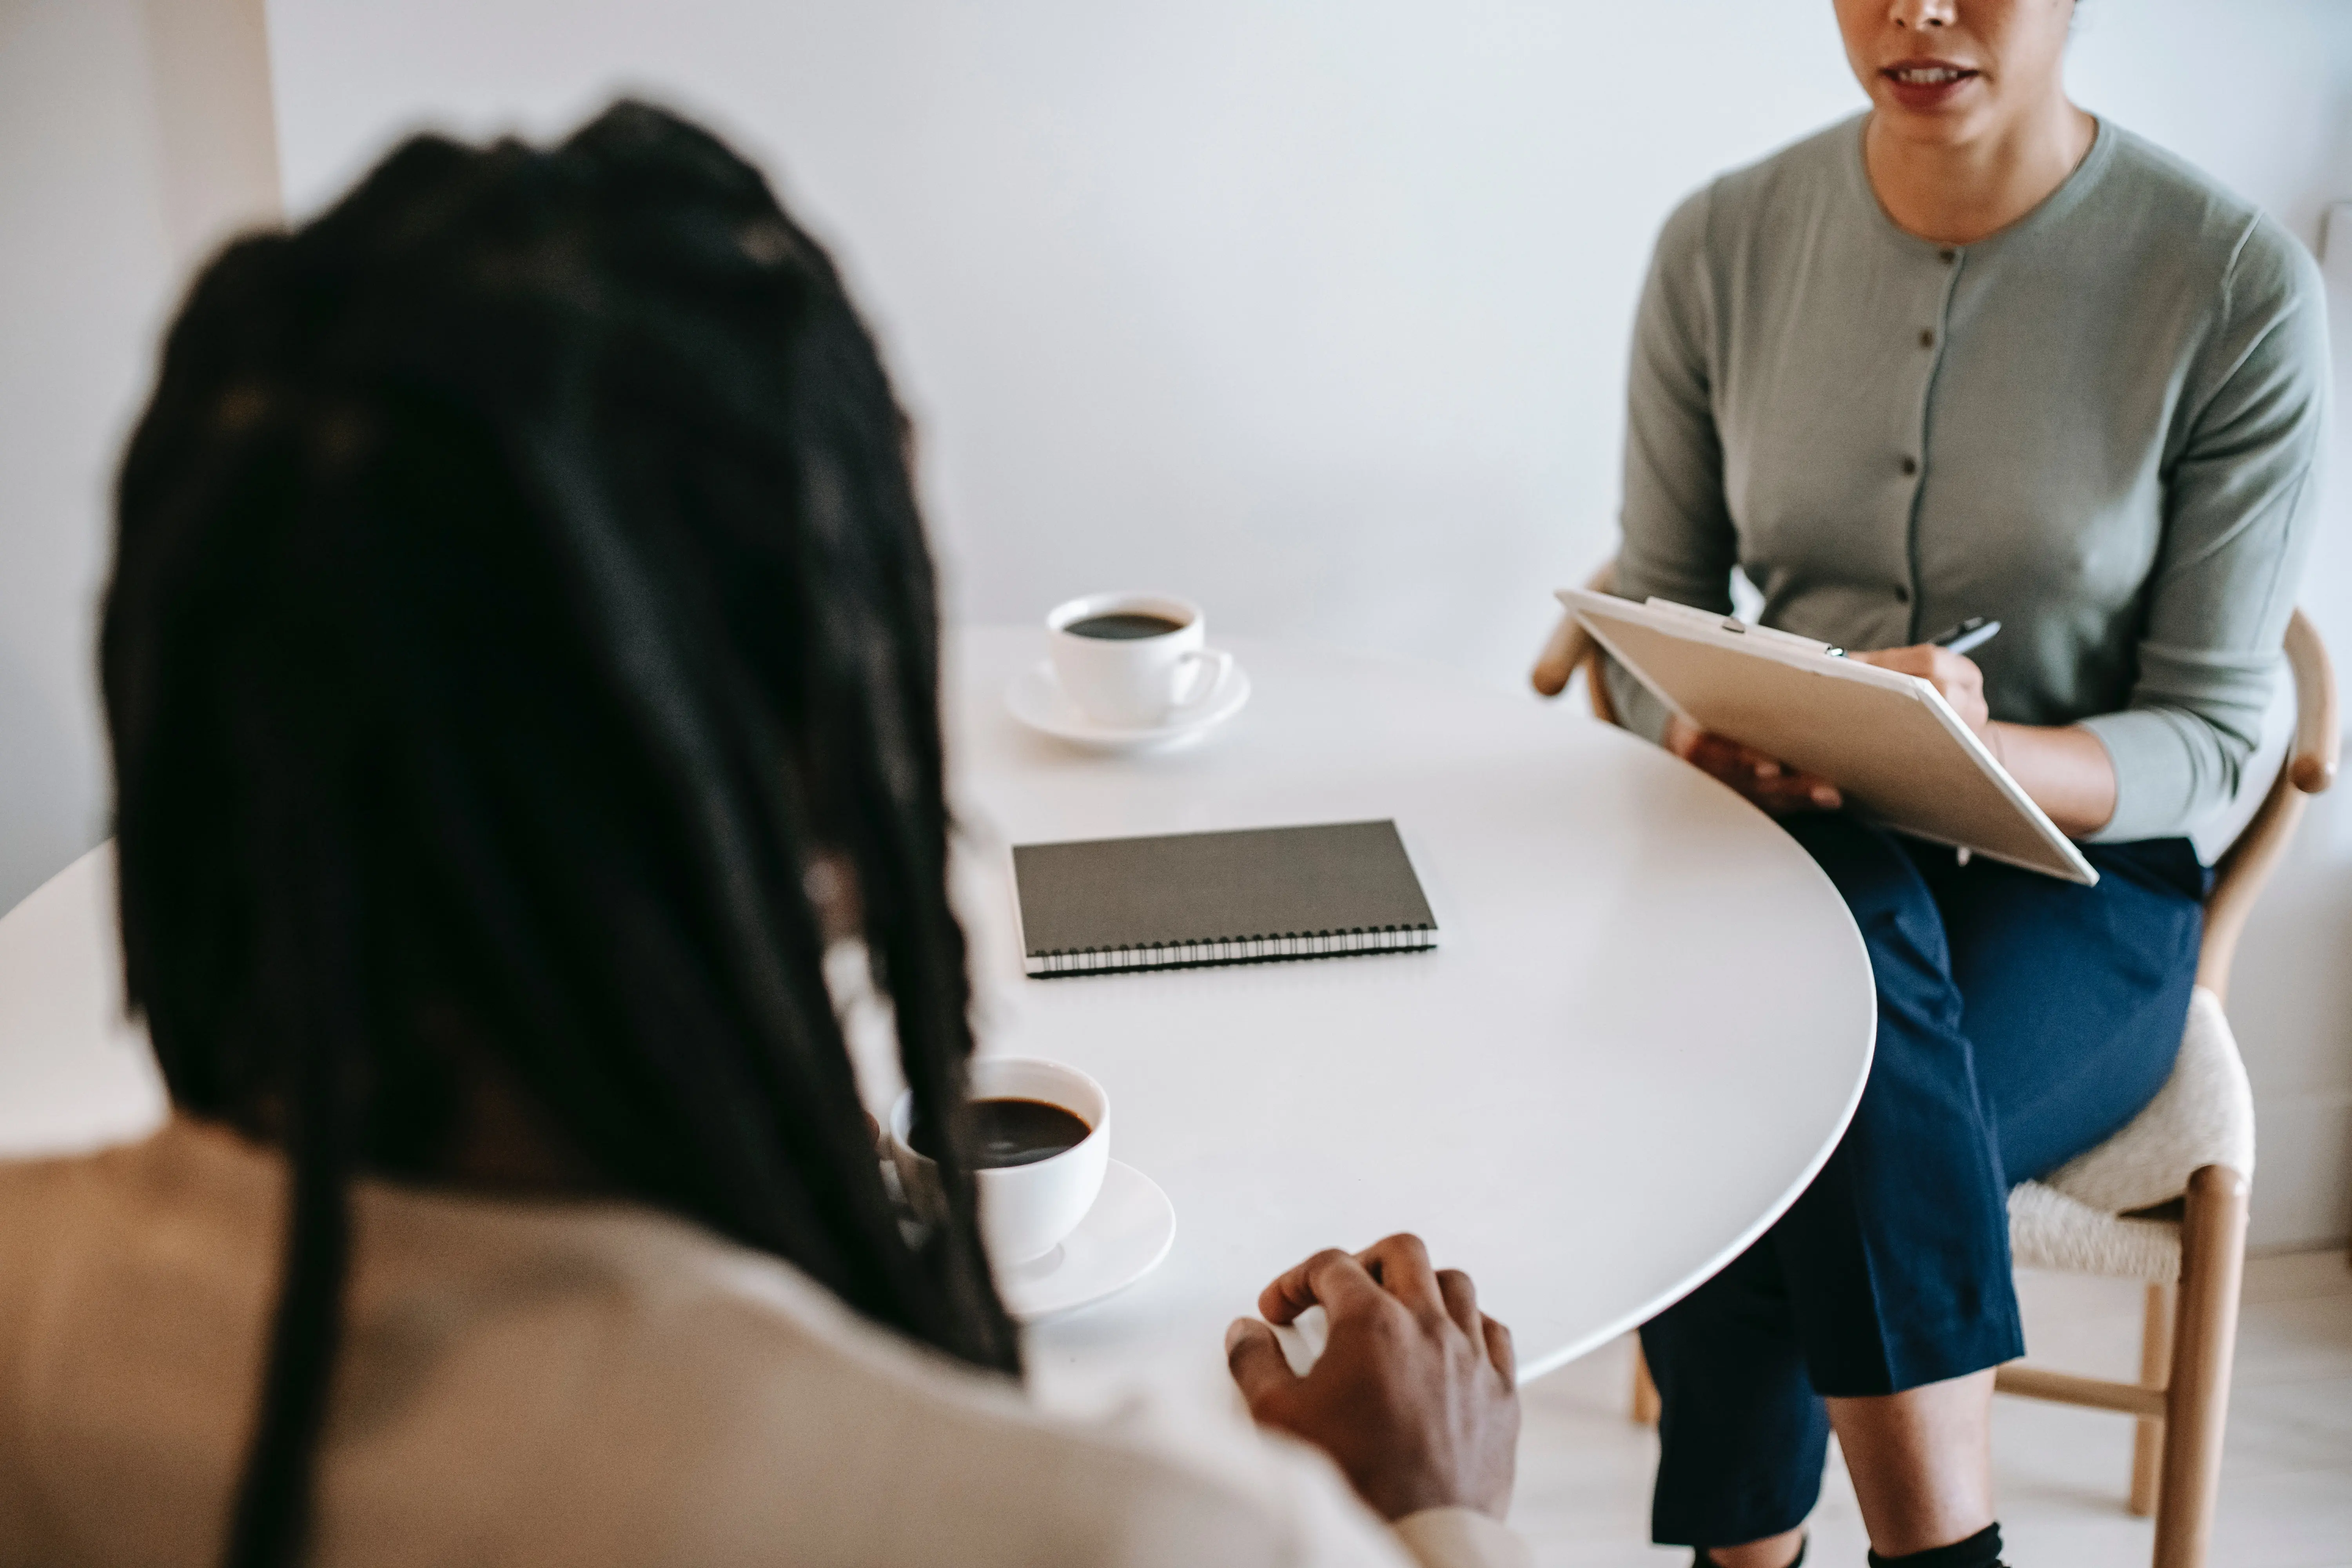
x=2205, y=1332
x=2155, y=1361
x=1645, y=1391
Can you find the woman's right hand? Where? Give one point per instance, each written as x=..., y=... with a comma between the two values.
x=1415, y=1394
x=1767, y=780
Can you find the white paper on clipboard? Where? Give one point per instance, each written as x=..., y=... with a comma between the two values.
x=1889, y=741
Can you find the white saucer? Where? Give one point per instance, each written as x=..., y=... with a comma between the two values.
x=1122, y=1238
x=1036, y=699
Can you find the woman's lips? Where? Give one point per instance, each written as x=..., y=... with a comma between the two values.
x=1926, y=84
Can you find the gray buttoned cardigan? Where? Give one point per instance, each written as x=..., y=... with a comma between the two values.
x=2100, y=426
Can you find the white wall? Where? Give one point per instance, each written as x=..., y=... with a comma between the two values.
x=1313, y=309
x=133, y=133
x=83, y=264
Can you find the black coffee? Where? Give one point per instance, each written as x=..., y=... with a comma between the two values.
x=1013, y=1132
x=1124, y=626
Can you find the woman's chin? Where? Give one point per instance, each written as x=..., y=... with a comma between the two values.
x=1954, y=115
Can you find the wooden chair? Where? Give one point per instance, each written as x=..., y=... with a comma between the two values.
x=2164, y=1201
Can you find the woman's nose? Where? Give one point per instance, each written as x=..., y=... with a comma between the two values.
x=1920, y=15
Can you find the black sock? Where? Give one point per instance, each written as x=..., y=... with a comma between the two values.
x=1981, y=1550
x=1705, y=1560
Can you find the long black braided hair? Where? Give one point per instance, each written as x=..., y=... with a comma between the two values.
x=519, y=590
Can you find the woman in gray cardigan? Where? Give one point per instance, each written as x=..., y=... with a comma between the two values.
x=1973, y=352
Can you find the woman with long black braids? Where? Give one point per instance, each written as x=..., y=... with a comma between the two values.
x=521, y=664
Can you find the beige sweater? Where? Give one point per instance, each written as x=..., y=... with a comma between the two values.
x=527, y=1382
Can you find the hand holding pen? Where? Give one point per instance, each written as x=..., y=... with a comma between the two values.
x=1942, y=661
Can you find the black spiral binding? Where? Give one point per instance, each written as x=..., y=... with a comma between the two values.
x=1276, y=949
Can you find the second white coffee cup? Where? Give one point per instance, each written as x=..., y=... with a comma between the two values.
x=1134, y=661
x=1024, y=1210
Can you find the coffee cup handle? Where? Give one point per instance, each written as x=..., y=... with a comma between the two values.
x=1213, y=664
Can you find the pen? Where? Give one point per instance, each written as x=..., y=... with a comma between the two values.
x=1969, y=635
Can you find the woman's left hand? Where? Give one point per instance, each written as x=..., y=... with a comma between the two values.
x=1955, y=675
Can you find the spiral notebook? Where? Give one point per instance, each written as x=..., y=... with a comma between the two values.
x=1189, y=900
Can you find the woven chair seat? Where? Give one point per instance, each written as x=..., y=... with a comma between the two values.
x=2085, y=1217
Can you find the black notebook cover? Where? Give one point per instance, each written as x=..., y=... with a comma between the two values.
x=1189, y=899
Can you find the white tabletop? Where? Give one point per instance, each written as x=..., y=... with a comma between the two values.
x=1648, y=1021
x=1648, y=1024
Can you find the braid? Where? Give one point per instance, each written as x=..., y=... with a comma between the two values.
x=273, y=1502
x=519, y=587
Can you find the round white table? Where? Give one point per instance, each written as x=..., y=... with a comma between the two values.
x=1647, y=1024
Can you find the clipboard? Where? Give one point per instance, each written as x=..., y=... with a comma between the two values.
x=1889, y=741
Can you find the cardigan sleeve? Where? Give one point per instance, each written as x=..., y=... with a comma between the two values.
x=1678, y=541
x=2240, y=502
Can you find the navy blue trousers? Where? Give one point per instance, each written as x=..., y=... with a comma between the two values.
x=2021, y=1021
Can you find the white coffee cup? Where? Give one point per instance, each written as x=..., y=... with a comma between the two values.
x=1135, y=682
x=1024, y=1210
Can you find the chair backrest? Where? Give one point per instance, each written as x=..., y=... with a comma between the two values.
x=1571, y=647
x=2310, y=768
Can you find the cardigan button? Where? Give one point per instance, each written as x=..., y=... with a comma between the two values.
x=1902, y=594
x=1947, y=255
x=1926, y=339
x=1910, y=466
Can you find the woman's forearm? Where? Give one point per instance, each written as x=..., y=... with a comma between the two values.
x=2064, y=768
